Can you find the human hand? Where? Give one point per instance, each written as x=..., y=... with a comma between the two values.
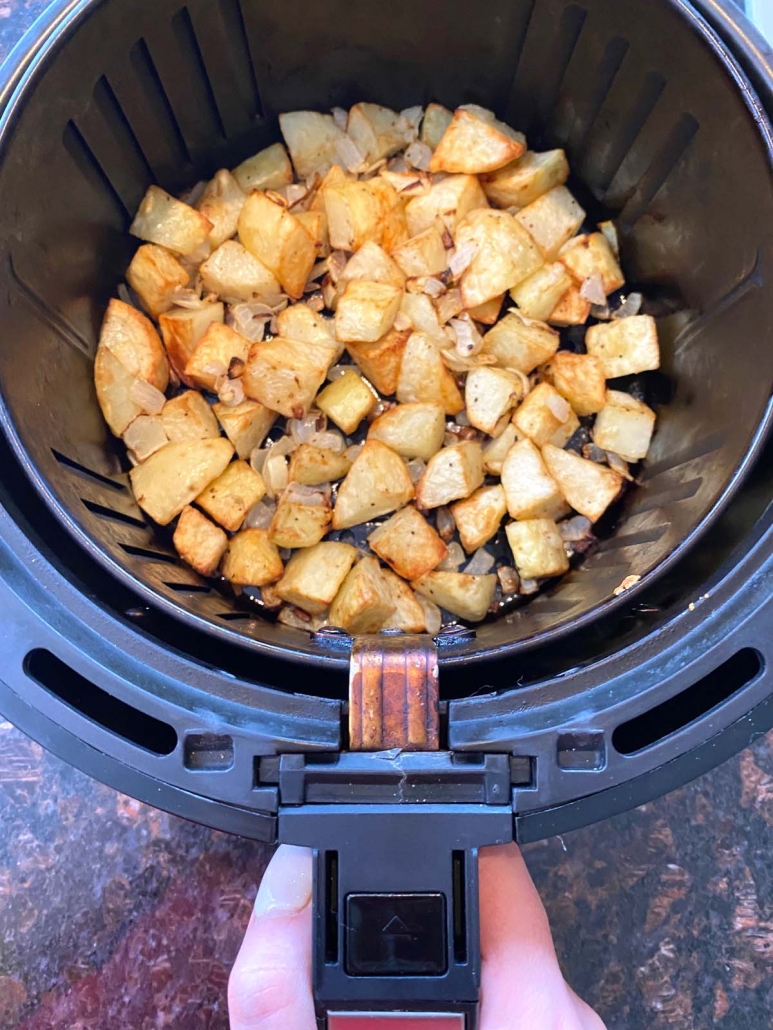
x=522, y=987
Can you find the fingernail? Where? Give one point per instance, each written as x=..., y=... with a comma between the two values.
x=286, y=884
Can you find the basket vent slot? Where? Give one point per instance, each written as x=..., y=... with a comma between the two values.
x=209, y=752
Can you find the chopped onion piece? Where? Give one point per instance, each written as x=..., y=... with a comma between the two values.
x=147, y=397
x=433, y=287
x=528, y=587
x=593, y=289
x=468, y=339
x=183, y=297
x=302, y=429
x=349, y=154
x=268, y=596
x=316, y=301
x=600, y=312
x=353, y=452
x=231, y=392
x=432, y=615
x=619, y=465
x=319, y=270
x=258, y=459
x=336, y=264
x=481, y=563
x=419, y=155
x=192, y=196
x=453, y=559
x=402, y=322
x=337, y=371
x=284, y=445
x=631, y=306
x=330, y=439
x=145, y=436
x=313, y=496
x=449, y=305
x=575, y=529
x=461, y=258
x=275, y=474
x=329, y=292
x=295, y=618
x=410, y=120
x=260, y=515
x=294, y=193
x=416, y=469
x=559, y=406
x=340, y=117
x=509, y=580
x=593, y=453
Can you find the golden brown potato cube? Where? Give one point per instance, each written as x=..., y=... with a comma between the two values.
x=170, y=223
x=222, y=203
x=270, y=169
x=546, y=417
x=505, y=254
x=487, y=313
x=452, y=473
x=113, y=383
x=520, y=344
x=189, y=417
x=394, y=226
x=380, y=361
x=246, y=425
x=373, y=264
x=572, y=309
x=539, y=295
x=424, y=254
x=366, y=311
x=377, y=131
x=528, y=177
x=347, y=400
x=552, y=219
x=133, y=340
x=580, y=379
x=471, y=145
x=314, y=576
x=285, y=375
x=378, y=483
x=412, y=430
x=408, y=544
x=298, y=322
x=409, y=615
x=311, y=139
x=587, y=487
x=154, y=275
x=434, y=124
x=311, y=465
x=625, y=347
x=296, y=524
x=235, y=275
x=538, y=548
x=421, y=312
x=624, y=426
x=213, y=355
x=182, y=328
x=447, y=202
x=279, y=241
x=355, y=214
x=315, y=224
x=479, y=516
x=496, y=450
x=468, y=597
x=252, y=560
x=364, y=602
x=424, y=378
x=229, y=498
x=490, y=395
x=530, y=490
x=199, y=542
x=174, y=476
x=590, y=254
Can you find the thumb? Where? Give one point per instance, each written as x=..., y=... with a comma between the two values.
x=270, y=983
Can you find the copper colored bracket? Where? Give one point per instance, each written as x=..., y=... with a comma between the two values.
x=393, y=694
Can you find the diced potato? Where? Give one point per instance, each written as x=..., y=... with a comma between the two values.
x=235, y=275
x=530, y=490
x=298, y=322
x=624, y=426
x=170, y=223
x=133, y=340
x=380, y=361
x=408, y=544
x=412, y=430
x=424, y=378
x=487, y=313
x=296, y=524
x=394, y=226
x=315, y=224
x=145, y=436
x=452, y=473
x=154, y=275
x=589, y=255
x=213, y=355
x=182, y=328
x=552, y=219
x=377, y=131
x=538, y=548
x=229, y=498
x=373, y=264
x=471, y=145
x=285, y=375
x=528, y=177
x=490, y=394
x=378, y=483
x=447, y=202
x=580, y=379
x=311, y=139
x=355, y=214
x=222, y=203
x=270, y=169
x=496, y=450
x=468, y=597
x=539, y=295
x=546, y=417
x=364, y=602
x=279, y=241
x=174, y=476
x=436, y=120
x=421, y=312
x=113, y=383
x=424, y=254
x=409, y=615
x=587, y=487
x=314, y=576
x=347, y=400
x=252, y=560
x=625, y=347
x=246, y=425
x=311, y=465
x=366, y=311
x=479, y=516
x=189, y=417
x=572, y=309
x=520, y=344
x=505, y=255
x=199, y=542
x=332, y=177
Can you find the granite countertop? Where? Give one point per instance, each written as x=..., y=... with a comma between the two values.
x=115, y=916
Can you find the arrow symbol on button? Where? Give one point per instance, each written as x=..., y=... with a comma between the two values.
x=396, y=928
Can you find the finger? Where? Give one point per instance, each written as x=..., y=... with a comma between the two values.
x=270, y=983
